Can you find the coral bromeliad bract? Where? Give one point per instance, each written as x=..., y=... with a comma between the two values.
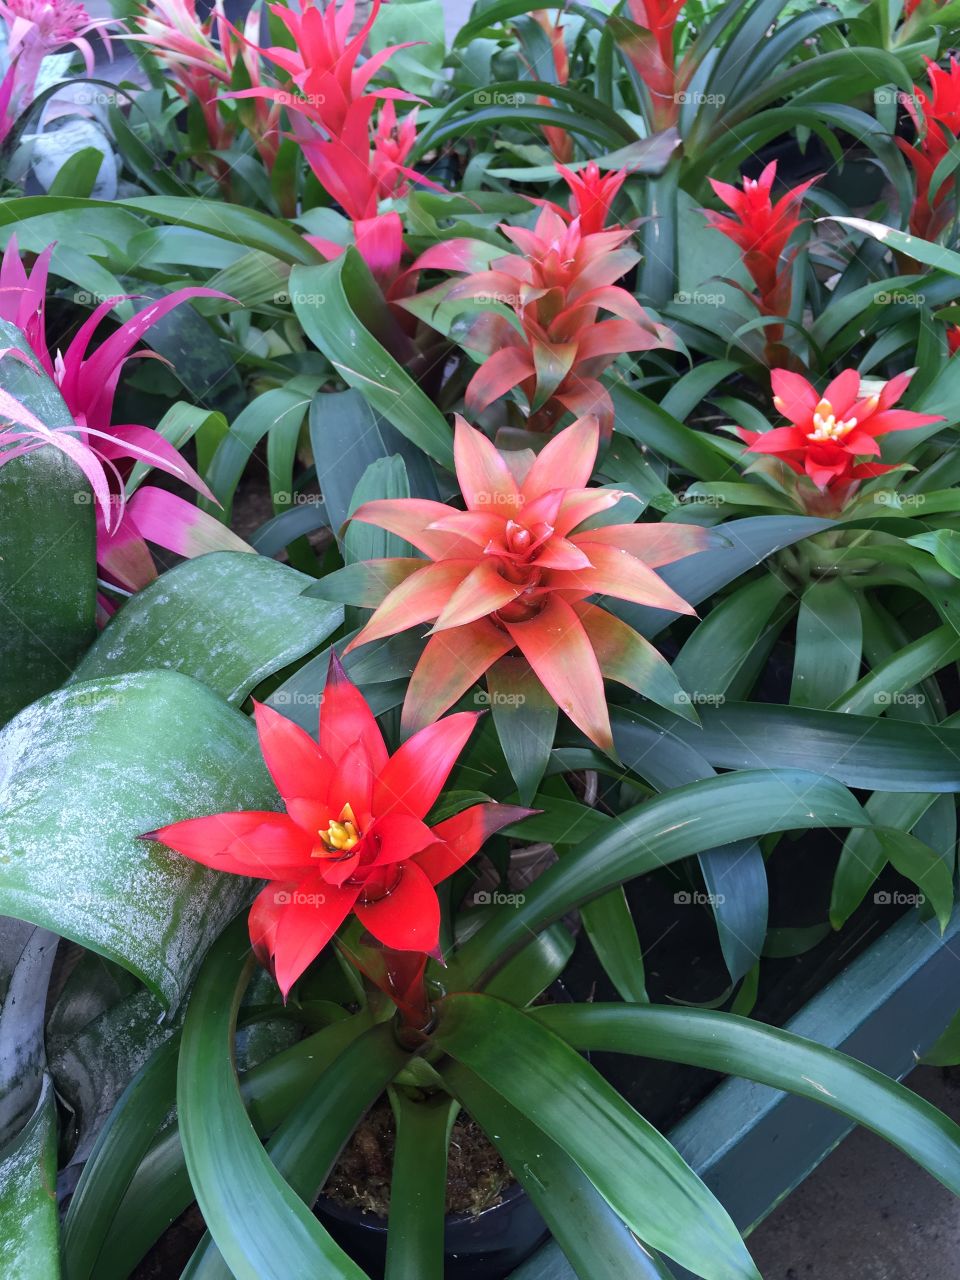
x=353, y=838
x=516, y=570
x=557, y=286
x=830, y=434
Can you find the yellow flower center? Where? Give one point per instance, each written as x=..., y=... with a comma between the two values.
x=826, y=425
x=342, y=836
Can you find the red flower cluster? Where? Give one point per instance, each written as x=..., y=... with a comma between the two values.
x=937, y=127
x=353, y=837
x=558, y=140
x=516, y=570
x=650, y=49
x=557, y=286
x=762, y=230
x=331, y=105
x=830, y=433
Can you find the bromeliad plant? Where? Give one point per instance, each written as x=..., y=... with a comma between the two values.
x=519, y=463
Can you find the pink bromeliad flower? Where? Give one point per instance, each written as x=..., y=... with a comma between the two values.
x=517, y=570
x=105, y=451
x=36, y=28
x=325, y=64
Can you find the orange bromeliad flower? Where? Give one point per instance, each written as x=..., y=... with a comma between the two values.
x=557, y=287
x=829, y=434
x=516, y=570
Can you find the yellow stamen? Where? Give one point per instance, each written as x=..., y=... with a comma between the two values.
x=826, y=426
x=341, y=836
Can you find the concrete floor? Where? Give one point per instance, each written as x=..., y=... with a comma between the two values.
x=868, y=1212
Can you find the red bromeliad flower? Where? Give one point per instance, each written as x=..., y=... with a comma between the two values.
x=591, y=196
x=937, y=127
x=325, y=64
x=557, y=287
x=106, y=452
x=762, y=230
x=830, y=433
x=558, y=140
x=650, y=49
x=353, y=837
x=358, y=170
x=515, y=571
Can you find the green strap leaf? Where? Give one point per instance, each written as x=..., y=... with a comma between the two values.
x=418, y=1187
x=85, y=771
x=633, y=1167
x=829, y=645
x=229, y=619
x=342, y=310
x=48, y=574
x=860, y=751
x=596, y=1241
x=260, y=1225
x=29, y=1227
x=686, y=820
x=740, y=1046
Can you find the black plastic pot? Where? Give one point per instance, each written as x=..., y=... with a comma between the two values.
x=487, y=1246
